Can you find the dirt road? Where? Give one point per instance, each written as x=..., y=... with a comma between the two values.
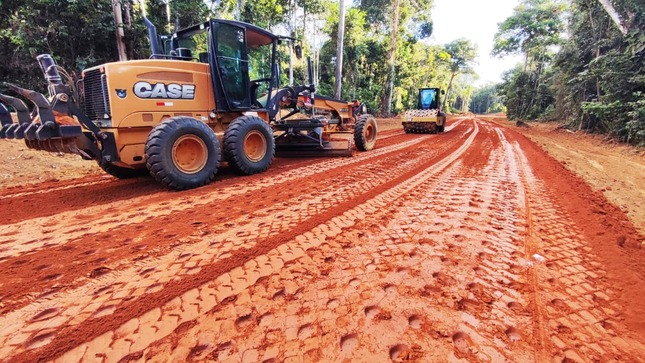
x=473, y=245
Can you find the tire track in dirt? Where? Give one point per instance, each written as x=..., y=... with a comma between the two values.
x=93, y=243
x=179, y=311
x=68, y=189
x=51, y=272
x=576, y=316
x=436, y=265
x=36, y=233
x=24, y=211
x=364, y=278
x=190, y=267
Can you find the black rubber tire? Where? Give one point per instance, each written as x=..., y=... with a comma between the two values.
x=443, y=125
x=234, y=137
x=159, y=153
x=119, y=171
x=363, y=141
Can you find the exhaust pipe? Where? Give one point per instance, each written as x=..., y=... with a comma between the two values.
x=152, y=34
x=310, y=73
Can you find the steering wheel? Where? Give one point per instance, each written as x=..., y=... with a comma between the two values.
x=255, y=84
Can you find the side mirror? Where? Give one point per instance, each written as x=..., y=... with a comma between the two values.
x=298, y=49
x=443, y=92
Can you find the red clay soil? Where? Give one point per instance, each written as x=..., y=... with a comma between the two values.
x=471, y=245
x=604, y=226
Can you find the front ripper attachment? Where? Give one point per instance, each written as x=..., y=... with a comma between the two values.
x=15, y=130
x=5, y=121
x=51, y=128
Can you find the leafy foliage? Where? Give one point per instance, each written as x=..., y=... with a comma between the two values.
x=486, y=100
x=32, y=27
x=596, y=80
x=602, y=73
x=384, y=59
x=532, y=30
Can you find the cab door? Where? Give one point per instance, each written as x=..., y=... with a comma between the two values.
x=231, y=61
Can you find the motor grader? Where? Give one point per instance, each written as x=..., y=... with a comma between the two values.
x=427, y=118
x=211, y=93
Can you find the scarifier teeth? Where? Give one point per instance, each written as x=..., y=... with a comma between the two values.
x=5, y=121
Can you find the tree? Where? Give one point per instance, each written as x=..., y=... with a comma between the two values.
x=486, y=100
x=532, y=30
x=339, y=50
x=33, y=27
x=600, y=72
x=462, y=55
x=534, y=26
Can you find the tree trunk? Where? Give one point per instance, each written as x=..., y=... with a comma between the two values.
x=445, y=98
x=118, y=22
x=239, y=6
x=127, y=20
x=339, y=50
x=613, y=14
x=386, y=102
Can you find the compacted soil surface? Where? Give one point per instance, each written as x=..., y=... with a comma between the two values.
x=474, y=245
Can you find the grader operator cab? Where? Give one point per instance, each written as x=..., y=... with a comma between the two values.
x=212, y=93
x=427, y=118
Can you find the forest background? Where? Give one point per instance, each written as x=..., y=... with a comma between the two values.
x=584, y=61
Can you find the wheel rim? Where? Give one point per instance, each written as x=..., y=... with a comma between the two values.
x=189, y=154
x=255, y=145
x=370, y=132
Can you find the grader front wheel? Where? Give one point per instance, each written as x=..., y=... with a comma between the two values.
x=365, y=132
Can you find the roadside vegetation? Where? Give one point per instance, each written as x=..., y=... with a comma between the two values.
x=581, y=65
x=385, y=57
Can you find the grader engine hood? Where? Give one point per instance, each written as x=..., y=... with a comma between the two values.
x=142, y=93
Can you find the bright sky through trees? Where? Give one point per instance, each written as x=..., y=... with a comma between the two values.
x=475, y=20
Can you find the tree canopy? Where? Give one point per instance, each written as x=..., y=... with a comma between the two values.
x=594, y=79
x=385, y=56
x=583, y=60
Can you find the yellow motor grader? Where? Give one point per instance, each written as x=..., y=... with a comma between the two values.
x=212, y=92
x=427, y=118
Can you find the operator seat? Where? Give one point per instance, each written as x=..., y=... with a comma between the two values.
x=184, y=54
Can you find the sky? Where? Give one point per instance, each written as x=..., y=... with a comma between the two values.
x=475, y=20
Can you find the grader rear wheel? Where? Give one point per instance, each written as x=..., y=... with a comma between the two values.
x=182, y=153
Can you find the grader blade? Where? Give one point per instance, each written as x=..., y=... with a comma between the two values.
x=306, y=138
x=331, y=148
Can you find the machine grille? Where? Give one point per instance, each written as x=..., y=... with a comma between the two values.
x=97, y=98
